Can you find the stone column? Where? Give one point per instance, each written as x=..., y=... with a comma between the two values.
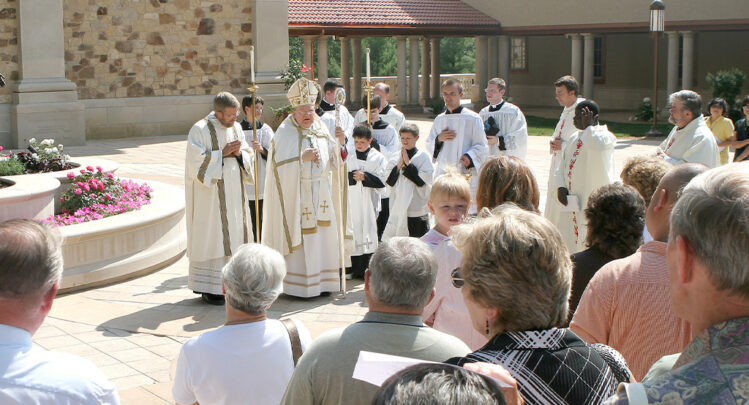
x=672, y=77
x=481, y=77
x=309, y=53
x=435, y=92
x=271, y=41
x=45, y=103
x=425, y=71
x=588, y=66
x=413, y=88
x=503, y=56
x=687, y=61
x=401, y=63
x=346, y=68
x=322, y=59
x=576, y=68
x=356, y=84
x=493, y=59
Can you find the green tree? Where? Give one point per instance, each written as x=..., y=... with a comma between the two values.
x=457, y=55
x=727, y=84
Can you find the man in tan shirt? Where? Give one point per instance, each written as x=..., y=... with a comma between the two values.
x=627, y=303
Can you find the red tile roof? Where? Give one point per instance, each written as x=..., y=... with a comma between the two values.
x=398, y=13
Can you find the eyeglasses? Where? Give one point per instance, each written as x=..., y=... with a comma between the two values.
x=456, y=278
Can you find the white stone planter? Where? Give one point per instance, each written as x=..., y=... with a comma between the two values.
x=126, y=245
x=31, y=197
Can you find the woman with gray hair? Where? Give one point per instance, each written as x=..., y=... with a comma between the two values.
x=250, y=356
x=515, y=280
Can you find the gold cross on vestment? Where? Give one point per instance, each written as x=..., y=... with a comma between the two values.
x=306, y=213
x=324, y=206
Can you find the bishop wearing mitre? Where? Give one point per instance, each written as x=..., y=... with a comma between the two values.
x=303, y=188
x=218, y=163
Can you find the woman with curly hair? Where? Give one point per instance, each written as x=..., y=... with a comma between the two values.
x=616, y=217
x=507, y=179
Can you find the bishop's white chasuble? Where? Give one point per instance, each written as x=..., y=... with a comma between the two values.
x=216, y=206
x=301, y=211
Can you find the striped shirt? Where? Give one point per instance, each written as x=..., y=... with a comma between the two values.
x=627, y=305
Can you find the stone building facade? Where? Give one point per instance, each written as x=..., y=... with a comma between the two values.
x=136, y=67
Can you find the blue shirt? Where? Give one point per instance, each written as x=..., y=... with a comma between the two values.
x=30, y=375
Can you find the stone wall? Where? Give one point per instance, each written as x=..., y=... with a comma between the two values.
x=8, y=47
x=142, y=48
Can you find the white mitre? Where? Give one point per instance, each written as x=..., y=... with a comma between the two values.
x=302, y=92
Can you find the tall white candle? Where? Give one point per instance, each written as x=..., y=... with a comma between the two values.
x=252, y=64
x=369, y=77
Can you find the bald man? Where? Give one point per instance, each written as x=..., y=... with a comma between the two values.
x=627, y=303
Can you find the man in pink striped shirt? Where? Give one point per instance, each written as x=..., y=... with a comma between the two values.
x=627, y=304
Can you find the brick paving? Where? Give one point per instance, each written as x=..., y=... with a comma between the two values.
x=133, y=330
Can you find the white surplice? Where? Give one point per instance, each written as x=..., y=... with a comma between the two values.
x=346, y=121
x=406, y=198
x=512, y=128
x=469, y=140
x=588, y=164
x=264, y=135
x=694, y=143
x=564, y=130
x=301, y=211
x=216, y=209
x=364, y=201
x=390, y=114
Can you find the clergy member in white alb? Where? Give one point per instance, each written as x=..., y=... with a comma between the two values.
x=504, y=124
x=690, y=141
x=588, y=164
x=261, y=145
x=301, y=211
x=366, y=180
x=218, y=164
x=566, y=90
x=457, y=138
x=390, y=114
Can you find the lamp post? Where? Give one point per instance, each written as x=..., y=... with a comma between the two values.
x=657, y=11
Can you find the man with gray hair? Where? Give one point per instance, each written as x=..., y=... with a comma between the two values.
x=250, y=356
x=707, y=260
x=30, y=272
x=218, y=163
x=398, y=284
x=690, y=140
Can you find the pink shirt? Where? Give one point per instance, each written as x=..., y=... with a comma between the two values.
x=627, y=305
x=446, y=310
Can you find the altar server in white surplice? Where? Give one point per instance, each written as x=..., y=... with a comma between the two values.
x=588, y=164
x=301, y=211
x=388, y=113
x=504, y=124
x=264, y=136
x=327, y=111
x=218, y=164
x=366, y=179
x=566, y=89
x=457, y=138
x=410, y=179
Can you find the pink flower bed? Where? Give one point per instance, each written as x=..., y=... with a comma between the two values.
x=95, y=195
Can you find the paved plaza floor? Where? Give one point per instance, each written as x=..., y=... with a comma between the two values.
x=133, y=330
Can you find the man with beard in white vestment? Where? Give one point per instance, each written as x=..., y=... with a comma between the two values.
x=566, y=90
x=457, y=138
x=588, y=164
x=504, y=124
x=301, y=211
x=218, y=164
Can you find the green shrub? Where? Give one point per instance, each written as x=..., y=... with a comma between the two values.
x=11, y=167
x=437, y=106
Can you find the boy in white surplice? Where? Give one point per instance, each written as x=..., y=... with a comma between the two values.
x=410, y=179
x=366, y=171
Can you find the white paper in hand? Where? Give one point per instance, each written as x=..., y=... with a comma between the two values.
x=573, y=204
x=375, y=368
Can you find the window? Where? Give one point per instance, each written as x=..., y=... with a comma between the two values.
x=519, y=53
x=599, y=51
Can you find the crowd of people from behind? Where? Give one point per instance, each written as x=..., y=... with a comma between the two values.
x=628, y=292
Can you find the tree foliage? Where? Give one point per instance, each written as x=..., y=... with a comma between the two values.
x=727, y=84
